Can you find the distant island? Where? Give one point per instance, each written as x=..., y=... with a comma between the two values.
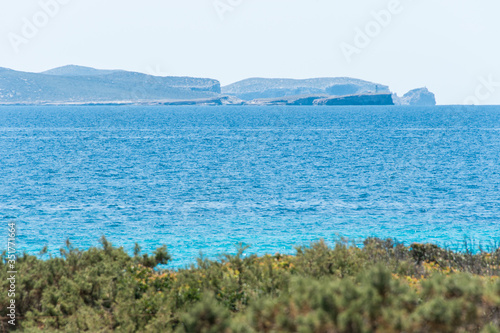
x=77, y=85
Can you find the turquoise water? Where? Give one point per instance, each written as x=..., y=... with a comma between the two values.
x=205, y=178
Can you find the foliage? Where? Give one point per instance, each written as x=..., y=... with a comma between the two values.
x=383, y=286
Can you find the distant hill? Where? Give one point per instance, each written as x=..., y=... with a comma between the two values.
x=85, y=85
x=72, y=84
x=259, y=88
x=73, y=70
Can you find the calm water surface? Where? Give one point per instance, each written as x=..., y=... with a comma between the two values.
x=205, y=178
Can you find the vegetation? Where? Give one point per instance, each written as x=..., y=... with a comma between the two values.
x=382, y=287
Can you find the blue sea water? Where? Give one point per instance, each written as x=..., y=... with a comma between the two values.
x=206, y=178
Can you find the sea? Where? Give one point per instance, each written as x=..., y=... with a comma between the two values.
x=202, y=179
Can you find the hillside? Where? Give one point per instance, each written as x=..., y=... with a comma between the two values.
x=78, y=84
x=259, y=88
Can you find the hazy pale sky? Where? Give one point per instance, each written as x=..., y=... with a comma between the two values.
x=450, y=46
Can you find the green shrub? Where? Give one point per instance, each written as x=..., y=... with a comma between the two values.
x=207, y=316
x=382, y=287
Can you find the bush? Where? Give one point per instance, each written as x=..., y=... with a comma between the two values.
x=382, y=287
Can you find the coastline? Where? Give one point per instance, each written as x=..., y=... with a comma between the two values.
x=347, y=100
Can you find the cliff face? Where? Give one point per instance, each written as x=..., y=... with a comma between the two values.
x=80, y=84
x=421, y=96
x=361, y=99
x=258, y=88
x=367, y=99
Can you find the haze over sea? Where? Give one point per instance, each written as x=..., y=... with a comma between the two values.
x=205, y=178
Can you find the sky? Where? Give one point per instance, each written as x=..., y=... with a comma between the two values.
x=449, y=46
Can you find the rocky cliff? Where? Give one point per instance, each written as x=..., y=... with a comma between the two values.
x=422, y=97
